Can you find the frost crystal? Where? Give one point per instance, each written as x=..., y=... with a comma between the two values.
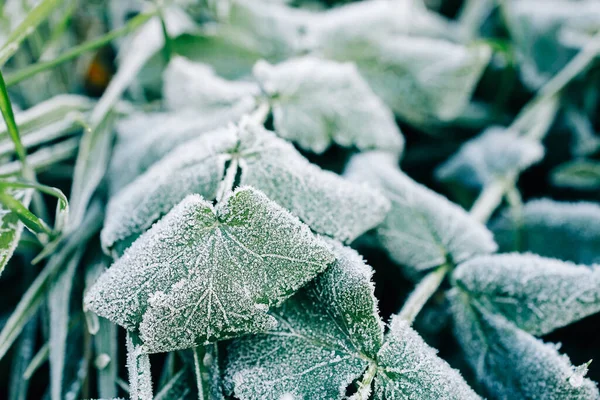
x=317, y=102
x=422, y=229
x=326, y=202
x=537, y=294
x=495, y=154
x=567, y=231
x=510, y=362
x=189, y=84
x=410, y=369
x=203, y=274
x=326, y=336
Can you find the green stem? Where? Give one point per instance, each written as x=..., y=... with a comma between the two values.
x=203, y=390
x=423, y=291
x=76, y=51
x=489, y=199
x=168, y=47
x=364, y=386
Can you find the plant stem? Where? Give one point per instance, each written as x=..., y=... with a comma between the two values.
x=364, y=386
x=489, y=199
x=227, y=184
x=203, y=392
x=423, y=291
x=76, y=51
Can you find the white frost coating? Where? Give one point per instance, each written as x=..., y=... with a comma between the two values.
x=323, y=200
x=421, y=78
x=144, y=139
x=494, y=154
x=510, y=362
x=423, y=229
x=195, y=168
x=203, y=274
x=189, y=84
x=316, y=102
x=537, y=294
x=327, y=335
x=138, y=366
x=563, y=230
x=410, y=369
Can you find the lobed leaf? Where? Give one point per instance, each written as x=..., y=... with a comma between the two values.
x=203, y=274
x=493, y=155
x=323, y=200
x=317, y=102
x=422, y=229
x=510, y=362
x=410, y=369
x=536, y=294
x=326, y=336
x=567, y=231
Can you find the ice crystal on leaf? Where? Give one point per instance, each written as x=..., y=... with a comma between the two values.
x=495, y=154
x=567, y=231
x=316, y=102
x=203, y=274
x=423, y=229
x=535, y=293
x=510, y=362
x=326, y=202
x=327, y=336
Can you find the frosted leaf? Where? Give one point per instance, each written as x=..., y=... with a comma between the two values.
x=318, y=102
x=494, y=154
x=326, y=336
x=578, y=175
x=203, y=274
x=144, y=139
x=326, y=202
x=567, y=231
x=189, y=84
x=546, y=36
x=11, y=226
x=410, y=369
x=510, y=362
x=535, y=293
x=189, y=169
x=423, y=229
x=421, y=78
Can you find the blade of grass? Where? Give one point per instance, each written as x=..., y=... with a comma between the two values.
x=13, y=129
x=29, y=219
x=44, y=158
x=36, y=16
x=34, y=69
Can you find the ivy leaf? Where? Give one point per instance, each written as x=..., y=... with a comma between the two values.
x=327, y=335
x=409, y=368
x=567, y=231
x=423, y=229
x=203, y=274
x=494, y=154
x=318, y=102
x=144, y=139
x=323, y=200
x=11, y=226
x=577, y=174
x=190, y=84
x=510, y=362
x=421, y=78
x=537, y=294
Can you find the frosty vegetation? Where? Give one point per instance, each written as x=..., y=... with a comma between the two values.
x=255, y=171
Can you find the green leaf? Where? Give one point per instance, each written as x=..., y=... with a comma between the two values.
x=421, y=78
x=493, y=155
x=323, y=200
x=510, y=362
x=194, y=85
x=327, y=335
x=423, y=229
x=567, y=231
x=578, y=174
x=11, y=226
x=537, y=294
x=317, y=103
x=203, y=274
x=410, y=369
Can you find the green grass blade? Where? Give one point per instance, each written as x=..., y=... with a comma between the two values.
x=26, y=28
x=9, y=119
x=44, y=158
